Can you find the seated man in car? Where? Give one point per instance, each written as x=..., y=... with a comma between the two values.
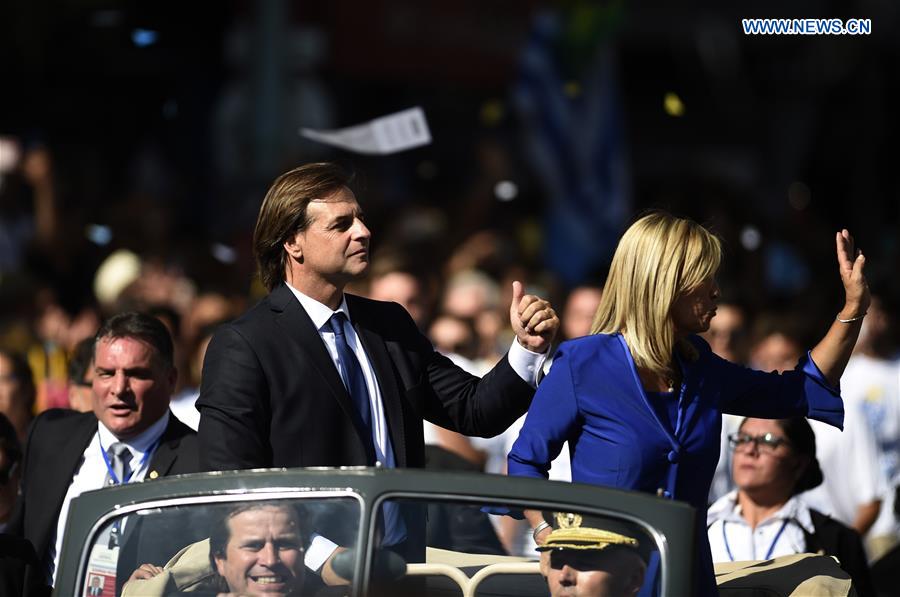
x=257, y=548
x=253, y=548
x=589, y=562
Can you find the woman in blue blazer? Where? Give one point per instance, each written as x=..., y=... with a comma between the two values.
x=640, y=401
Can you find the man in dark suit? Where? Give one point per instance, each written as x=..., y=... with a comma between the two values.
x=130, y=435
x=276, y=389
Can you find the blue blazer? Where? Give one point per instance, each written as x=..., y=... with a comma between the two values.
x=594, y=399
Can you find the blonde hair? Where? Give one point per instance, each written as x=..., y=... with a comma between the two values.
x=658, y=259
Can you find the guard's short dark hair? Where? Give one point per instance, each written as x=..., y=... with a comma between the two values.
x=81, y=359
x=133, y=324
x=21, y=372
x=220, y=532
x=283, y=213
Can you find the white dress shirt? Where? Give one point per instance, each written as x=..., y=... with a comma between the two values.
x=525, y=363
x=732, y=540
x=183, y=406
x=91, y=473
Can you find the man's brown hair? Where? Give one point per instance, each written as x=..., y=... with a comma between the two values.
x=283, y=213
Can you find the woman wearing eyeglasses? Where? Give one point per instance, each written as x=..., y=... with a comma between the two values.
x=640, y=401
x=765, y=517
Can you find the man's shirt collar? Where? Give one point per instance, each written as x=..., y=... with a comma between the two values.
x=141, y=442
x=319, y=312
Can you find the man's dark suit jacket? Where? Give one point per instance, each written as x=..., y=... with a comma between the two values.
x=272, y=397
x=56, y=442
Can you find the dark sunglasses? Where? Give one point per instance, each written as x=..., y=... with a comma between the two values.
x=587, y=559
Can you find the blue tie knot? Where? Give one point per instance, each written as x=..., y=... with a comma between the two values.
x=336, y=323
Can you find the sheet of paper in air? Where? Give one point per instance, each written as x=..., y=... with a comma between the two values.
x=388, y=134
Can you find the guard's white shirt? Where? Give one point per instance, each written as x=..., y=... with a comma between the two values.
x=91, y=472
x=728, y=531
x=525, y=363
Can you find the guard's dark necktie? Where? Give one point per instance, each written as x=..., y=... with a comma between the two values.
x=351, y=372
x=120, y=464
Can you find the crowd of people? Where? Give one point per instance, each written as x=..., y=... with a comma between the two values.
x=158, y=376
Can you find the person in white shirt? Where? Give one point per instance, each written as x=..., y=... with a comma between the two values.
x=871, y=383
x=130, y=435
x=315, y=376
x=853, y=485
x=774, y=461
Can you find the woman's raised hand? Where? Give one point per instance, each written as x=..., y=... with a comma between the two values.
x=851, y=263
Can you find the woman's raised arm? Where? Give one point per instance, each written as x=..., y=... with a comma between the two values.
x=833, y=351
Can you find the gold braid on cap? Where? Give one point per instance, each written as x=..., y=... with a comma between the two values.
x=571, y=535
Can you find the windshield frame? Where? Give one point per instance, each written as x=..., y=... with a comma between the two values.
x=671, y=523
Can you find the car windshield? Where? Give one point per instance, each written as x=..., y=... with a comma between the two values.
x=243, y=547
x=481, y=547
x=310, y=545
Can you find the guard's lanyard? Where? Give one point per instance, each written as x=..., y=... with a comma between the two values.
x=771, y=547
x=109, y=469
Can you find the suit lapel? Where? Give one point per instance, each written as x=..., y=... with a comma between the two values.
x=167, y=452
x=638, y=388
x=690, y=382
x=304, y=337
x=384, y=372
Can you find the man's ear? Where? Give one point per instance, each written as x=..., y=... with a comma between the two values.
x=293, y=248
x=220, y=566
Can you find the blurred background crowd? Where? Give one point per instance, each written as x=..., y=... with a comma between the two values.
x=138, y=140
